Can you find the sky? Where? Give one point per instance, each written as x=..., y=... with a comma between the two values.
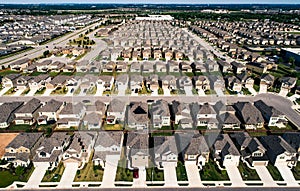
x=154, y=1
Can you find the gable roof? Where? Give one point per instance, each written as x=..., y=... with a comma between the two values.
x=30, y=107
x=248, y=113
x=51, y=106
x=26, y=140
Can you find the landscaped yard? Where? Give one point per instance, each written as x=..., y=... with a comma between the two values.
x=6, y=72
x=163, y=131
x=19, y=127
x=41, y=91
x=296, y=171
x=10, y=91
x=92, y=91
x=154, y=174
x=274, y=172
x=115, y=127
x=59, y=91
x=123, y=173
x=211, y=172
x=181, y=172
x=55, y=174
x=247, y=173
x=22, y=174
x=90, y=172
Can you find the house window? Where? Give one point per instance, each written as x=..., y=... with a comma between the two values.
x=282, y=157
x=228, y=157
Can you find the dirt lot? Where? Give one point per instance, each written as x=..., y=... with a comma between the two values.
x=5, y=139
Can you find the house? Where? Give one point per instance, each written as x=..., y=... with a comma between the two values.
x=7, y=112
x=80, y=148
x=122, y=81
x=165, y=150
x=94, y=115
x=279, y=151
x=271, y=115
x=234, y=84
x=136, y=83
x=193, y=148
x=185, y=67
x=160, y=114
x=58, y=81
x=228, y=119
x=146, y=54
x=137, y=150
x=137, y=116
x=71, y=115
x=267, y=80
x=108, y=144
x=121, y=67
x=161, y=66
x=249, y=115
x=257, y=67
x=199, y=66
x=238, y=67
x=148, y=67
x=168, y=55
x=205, y=115
x=56, y=66
x=225, y=152
x=184, y=81
x=251, y=149
x=21, y=83
x=157, y=54
x=49, y=112
x=225, y=67
x=152, y=82
x=50, y=151
x=211, y=66
x=201, y=83
x=168, y=82
x=178, y=55
x=20, y=65
x=82, y=66
x=27, y=114
x=43, y=66
x=293, y=139
x=173, y=66
x=109, y=67
x=135, y=67
x=106, y=82
x=39, y=82
x=20, y=150
x=181, y=113
x=9, y=80
x=116, y=111
x=287, y=82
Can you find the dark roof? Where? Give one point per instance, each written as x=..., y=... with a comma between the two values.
x=248, y=113
x=276, y=144
x=30, y=107
x=7, y=110
x=229, y=118
x=26, y=140
x=51, y=106
x=292, y=138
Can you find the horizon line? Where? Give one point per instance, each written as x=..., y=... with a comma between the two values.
x=69, y=3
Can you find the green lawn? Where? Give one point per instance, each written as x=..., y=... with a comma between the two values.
x=160, y=91
x=25, y=91
x=181, y=172
x=6, y=72
x=257, y=133
x=115, y=127
x=247, y=173
x=92, y=91
x=163, y=131
x=55, y=174
x=41, y=91
x=59, y=91
x=80, y=56
x=274, y=172
x=90, y=172
x=20, y=127
x=10, y=91
x=154, y=174
x=123, y=173
x=296, y=171
x=36, y=73
x=22, y=174
x=211, y=172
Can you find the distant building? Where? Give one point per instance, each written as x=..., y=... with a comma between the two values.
x=155, y=18
x=291, y=52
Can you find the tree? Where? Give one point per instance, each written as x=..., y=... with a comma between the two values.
x=292, y=61
x=45, y=54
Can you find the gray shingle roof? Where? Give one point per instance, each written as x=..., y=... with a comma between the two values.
x=26, y=140
x=248, y=113
x=51, y=106
x=7, y=111
x=30, y=107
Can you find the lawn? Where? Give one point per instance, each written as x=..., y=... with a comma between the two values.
x=6, y=72
x=257, y=133
x=160, y=91
x=92, y=91
x=210, y=92
x=36, y=73
x=211, y=172
x=41, y=91
x=247, y=173
x=274, y=172
x=163, y=131
x=20, y=127
x=22, y=174
x=115, y=127
x=154, y=174
x=25, y=91
x=181, y=172
x=80, y=56
x=90, y=172
x=55, y=174
x=59, y=91
x=296, y=171
x=123, y=173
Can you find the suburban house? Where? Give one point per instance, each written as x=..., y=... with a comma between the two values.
x=228, y=119
x=116, y=112
x=271, y=115
x=71, y=115
x=160, y=114
x=122, y=81
x=94, y=115
x=148, y=67
x=287, y=83
x=43, y=66
x=201, y=83
x=293, y=139
x=20, y=150
x=267, y=80
x=7, y=112
x=80, y=148
x=185, y=67
x=9, y=80
x=238, y=67
x=58, y=81
x=279, y=151
x=137, y=116
x=152, y=83
x=109, y=67
x=161, y=66
x=39, y=82
x=193, y=148
x=181, y=113
x=28, y=113
x=108, y=144
x=165, y=150
x=106, y=82
x=234, y=84
x=184, y=81
x=249, y=115
x=173, y=66
x=252, y=151
x=20, y=65
x=137, y=150
x=225, y=151
x=50, y=151
x=225, y=67
x=136, y=83
x=168, y=82
x=135, y=67
x=49, y=112
x=205, y=115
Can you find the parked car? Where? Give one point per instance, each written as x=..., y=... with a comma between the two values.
x=136, y=173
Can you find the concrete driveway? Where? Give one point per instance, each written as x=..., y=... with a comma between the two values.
x=47, y=92
x=265, y=176
x=287, y=175
x=141, y=181
x=154, y=93
x=167, y=92
x=68, y=175
x=188, y=90
x=234, y=176
x=283, y=92
x=32, y=92
x=4, y=90
x=99, y=91
x=122, y=90
x=193, y=174
x=219, y=91
x=37, y=176
x=110, y=171
x=19, y=92
x=252, y=90
x=170, y=174
x=263, y=88
x=201, y=92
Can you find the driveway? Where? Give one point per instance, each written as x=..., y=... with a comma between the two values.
x=219, y=91
x=265, y=176
x=252, y=90
x=287, y=175
x=170, y=174
x=32, y=92
x=99, y=91
x=122, y=90
x=141, y=181
x=283, y=92
x=67, y=178
x=193, y=174
x=263, y=88
x=37, y=175
x=188, y=90
x=167, y=92
x=201, y=92
x=154, y=93
x=47, y=92
x=110, y=171
x=234, y=176
x=4, y=90
x=19, y=92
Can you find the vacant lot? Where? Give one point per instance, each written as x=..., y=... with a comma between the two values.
x=5, y=138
